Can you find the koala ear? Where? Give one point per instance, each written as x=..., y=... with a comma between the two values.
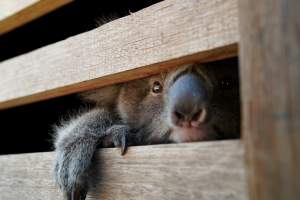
x=106, y=96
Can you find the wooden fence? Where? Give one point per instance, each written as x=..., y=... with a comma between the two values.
x=264, y=35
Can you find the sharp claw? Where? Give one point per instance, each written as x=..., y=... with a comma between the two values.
x=73, y=196
x=68, y=196
x=118, y=136
x=123, y=145
x=78, y=195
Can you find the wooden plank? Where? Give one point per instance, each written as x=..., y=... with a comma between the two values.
x=166, y=34
x=15, y=13
x=270, y=74
x=204, y=170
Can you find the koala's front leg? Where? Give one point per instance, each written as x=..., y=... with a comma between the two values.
x=75, y=146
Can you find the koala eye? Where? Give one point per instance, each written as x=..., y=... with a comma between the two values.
x=157, y=87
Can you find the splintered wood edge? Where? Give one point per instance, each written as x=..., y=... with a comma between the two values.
x=131, y=47
x=206, y=170
x=16, y=13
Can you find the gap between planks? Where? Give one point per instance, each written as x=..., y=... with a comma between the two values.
x=15, y=13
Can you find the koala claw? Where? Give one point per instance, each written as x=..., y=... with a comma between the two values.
x=120, y=140
x=77, y=194
x=119, y=137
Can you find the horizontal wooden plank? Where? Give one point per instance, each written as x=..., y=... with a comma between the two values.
x=15, y=13
x=204, y=170
x=166, y=34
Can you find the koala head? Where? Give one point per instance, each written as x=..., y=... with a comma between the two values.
x=189, y=103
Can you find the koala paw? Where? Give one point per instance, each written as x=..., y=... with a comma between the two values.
x=118, y=135
x=72, y=173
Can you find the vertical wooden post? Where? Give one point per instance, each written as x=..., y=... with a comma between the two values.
x=270, y=78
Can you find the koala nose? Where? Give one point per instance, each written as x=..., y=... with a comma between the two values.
x=187, y=120
x=188, y=98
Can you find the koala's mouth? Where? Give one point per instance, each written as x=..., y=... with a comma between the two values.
x=191, y=134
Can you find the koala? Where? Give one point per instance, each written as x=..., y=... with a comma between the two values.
x=193, y=102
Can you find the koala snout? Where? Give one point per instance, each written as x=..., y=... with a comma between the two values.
x=188, y=98
x=189, y=120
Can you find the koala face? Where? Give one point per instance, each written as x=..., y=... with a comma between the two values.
x=189, y=103
x=141, y=105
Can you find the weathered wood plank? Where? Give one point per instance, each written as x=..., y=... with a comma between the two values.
x=166, y=34
x=204, y=170
x=270, y=75
x=15, y=13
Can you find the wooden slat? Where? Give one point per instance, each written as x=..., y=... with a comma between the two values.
x=206, y=171
x=15, y=13
x=270, y=75
x=165, y=34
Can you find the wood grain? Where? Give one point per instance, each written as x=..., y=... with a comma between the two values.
x=270, y=74
x=204, y=170
x=166, y=34
x=15, y=13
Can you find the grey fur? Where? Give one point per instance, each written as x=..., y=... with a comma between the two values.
x=132, y=114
